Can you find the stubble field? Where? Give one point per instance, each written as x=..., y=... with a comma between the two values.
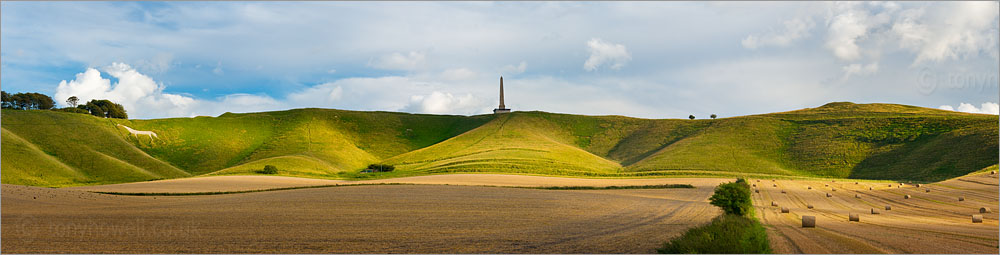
x=353, y=219
x=463, y=214
x=928, y=222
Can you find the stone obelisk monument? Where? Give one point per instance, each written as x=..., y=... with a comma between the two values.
x=502, y=108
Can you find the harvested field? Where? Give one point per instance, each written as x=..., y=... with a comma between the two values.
x=926, y=223
x=354, y=219
x=209, y=184
x=244, y=183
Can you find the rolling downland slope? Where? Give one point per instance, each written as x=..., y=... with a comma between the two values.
x=836, y=140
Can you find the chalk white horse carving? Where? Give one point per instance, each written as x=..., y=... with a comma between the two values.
x=136, y=133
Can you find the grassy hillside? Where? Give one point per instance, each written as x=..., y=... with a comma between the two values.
x=302, y=142
x=47, y=148
x=841, y=140
x=511, y=143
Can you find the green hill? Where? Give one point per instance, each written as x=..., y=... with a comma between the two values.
x=48, y=148
x=840, y=140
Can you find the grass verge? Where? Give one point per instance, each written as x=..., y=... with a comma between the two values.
x=237, y=191
x=660, y=186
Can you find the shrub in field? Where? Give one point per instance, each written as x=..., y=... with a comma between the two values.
x=269, y=169
x=733, y=197
x=380, y=168
x=727, y=234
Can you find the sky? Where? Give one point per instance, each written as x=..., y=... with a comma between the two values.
x=639, y=59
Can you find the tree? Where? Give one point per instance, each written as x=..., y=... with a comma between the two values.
x=42, y=101
x=268, y=169
x=21, y=101
x=72, y=101
x=733, y=197
x=713, y=116
x=6, y=102
x=691, y=117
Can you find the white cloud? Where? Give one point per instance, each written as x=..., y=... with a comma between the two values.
x=218, y=69
x=986, y=108
x=396, y=61
x=844, y=32
x=511, y=69
x=139, y=94
x=794, y=30
x=445, y=103
x=458, y=74
x=858, y=69
x=602, y=52
x=323, y=94
x=947, y=32
x=160, y=63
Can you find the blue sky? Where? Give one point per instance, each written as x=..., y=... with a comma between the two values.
x=642, y=59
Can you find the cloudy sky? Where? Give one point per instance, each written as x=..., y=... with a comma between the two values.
x=642, y=59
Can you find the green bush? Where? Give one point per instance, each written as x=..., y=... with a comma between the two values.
x=733, y=197
x=380, y=168
x=268, y=169
x=727, y=234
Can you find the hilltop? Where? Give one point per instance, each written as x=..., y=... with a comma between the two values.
x=836, y=140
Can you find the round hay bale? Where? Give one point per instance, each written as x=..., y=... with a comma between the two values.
x=928, y=190
x=756, y=191
x=855, y=182
x=809, y=206
x=834, y=189
x=810, y=187
x=888, y=207
x=977, y=218
x=869, y=188
x=774, y=185
x=993, y=172
x=984, y=210
x=758, y=180
x=772, y=180
x=774, y=203
x=808, y=221
x=784, y=210
x=783, y=192
x=857, y=196
x=961, y=198
x=890, y=185
x=918, y=185
x=828, y=195
x=854, y=217
x=906, y=197
x=874, y=211
x=826, y=185
x=754, y=185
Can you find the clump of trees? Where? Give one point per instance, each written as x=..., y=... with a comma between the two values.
x=268, y=169
x=691, y=117
x=35, y=101
x=105, y=109
x=714, y=116
x=376, y=168
x=26, y=101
